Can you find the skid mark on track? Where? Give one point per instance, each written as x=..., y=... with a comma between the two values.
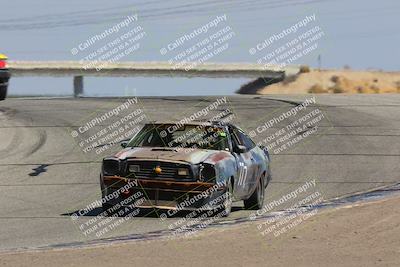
x=39, y=170
x=37, y=145
x=16, y=135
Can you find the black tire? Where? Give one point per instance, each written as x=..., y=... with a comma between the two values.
x=256, y=200
x=226, y=208
x=3, y=92
x=269, y=178
x=106, y=206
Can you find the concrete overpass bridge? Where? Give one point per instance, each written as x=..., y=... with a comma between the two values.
x=78, y=70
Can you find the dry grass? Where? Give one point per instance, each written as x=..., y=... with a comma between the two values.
x=290, y=79
x=336, y=82
x=304, y=69
x=317, y=89
x=337, y=89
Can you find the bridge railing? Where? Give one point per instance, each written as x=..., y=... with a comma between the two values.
x=78, y=70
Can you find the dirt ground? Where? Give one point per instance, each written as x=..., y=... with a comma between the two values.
x=365, y=234
x=337, y=81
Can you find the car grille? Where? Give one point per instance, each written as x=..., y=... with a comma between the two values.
x=169, y=170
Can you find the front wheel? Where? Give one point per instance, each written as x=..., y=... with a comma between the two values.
x=226, y=208
x=256, y=200
x=106, y=206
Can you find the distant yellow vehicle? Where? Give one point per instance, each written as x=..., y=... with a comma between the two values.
x=4, y=76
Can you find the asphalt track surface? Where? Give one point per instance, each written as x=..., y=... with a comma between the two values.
x=45, y=175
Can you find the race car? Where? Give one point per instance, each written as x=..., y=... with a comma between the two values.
x=4, y=77
x=187, y=166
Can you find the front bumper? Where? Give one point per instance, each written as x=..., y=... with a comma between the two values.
x=173, y=195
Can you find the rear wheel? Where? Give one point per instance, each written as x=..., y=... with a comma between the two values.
x=256, y=200
x=3, y=92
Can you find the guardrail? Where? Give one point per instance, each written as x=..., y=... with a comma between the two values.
x=143, y=69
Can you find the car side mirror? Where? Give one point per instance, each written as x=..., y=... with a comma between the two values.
x=240, y=149
x=265, y=150
x=124, y=144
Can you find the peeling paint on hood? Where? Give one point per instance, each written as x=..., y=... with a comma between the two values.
x=194, y=156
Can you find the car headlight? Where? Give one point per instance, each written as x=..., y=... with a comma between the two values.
x=134, y=168
x=183, y=172
x=207, y=173
x=111, y=166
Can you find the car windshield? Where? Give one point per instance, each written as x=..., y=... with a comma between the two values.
x=185, y=136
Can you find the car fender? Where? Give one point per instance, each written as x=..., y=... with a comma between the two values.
x=225, y=166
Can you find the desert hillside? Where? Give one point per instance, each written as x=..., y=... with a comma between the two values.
x=329, y=81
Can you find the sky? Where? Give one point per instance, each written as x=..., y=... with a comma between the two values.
x=362, y=34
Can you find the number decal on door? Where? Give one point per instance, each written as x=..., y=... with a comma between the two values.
x=242, y=174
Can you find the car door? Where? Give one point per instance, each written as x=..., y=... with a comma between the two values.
x=244, y=165
x=254, y=163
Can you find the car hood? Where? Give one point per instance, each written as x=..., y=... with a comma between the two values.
x=193, y=156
